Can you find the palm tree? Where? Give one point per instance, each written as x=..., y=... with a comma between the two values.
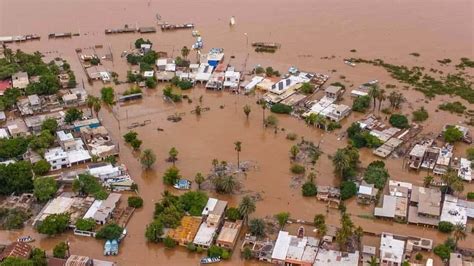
x=381, y=97
x=173, y=155
x=359, y=233
x=247, y=110
x=452, y=181
x=199, y=179
x=396, y=99
x=316, y=120
x=185, y=52
x=238, y=149
x=224, y=184
x=246, y=207
x=90, y=101
x=215, y=163
x=374, y=93
x=459, y=232
x=373, y=261
x=427, y=180
x=341, y=162
x=97, y=106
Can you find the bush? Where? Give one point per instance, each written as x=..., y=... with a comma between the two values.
x=257, y=227
x=361, y=104
x=107, y=94
x=291, y=136
x=191, y=247
x=399, y=121
x=419, y=256
x=247, y=253
x=60, y=250
x=454, y=107
x=280, y=108
x=420, y=115
x=233, y=214
x=443, y=251
x=135, y=202
x=169, y=242
x=215, y=251
x=110, y=232
x=348, y=190
x=307, y=88
x=376, y=174
x=309, y=189
x=297, y=169
x=470, y=195
x=41, y=167
x=445, y=227
x=54, y=224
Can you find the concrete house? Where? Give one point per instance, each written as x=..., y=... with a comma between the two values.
x=366, y=193
x=391, y=250
x=20, y=80
x=213, y=216
x=425, y=206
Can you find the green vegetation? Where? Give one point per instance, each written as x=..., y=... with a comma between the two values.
x=86, y=184
x=139, y=42
x=60, y=250
x=444, y=61
x=307, y=88
x=180, y=83
x=16, y=178
x=50, y=124
x=309, y=189
x=224, y=184
x=444, y=250
x=359, y=138
x=107, y=95
x=233, y=214
x=110, y=232
x=14, y=261
x=291, y=136
x=399, y=121
x=171, y=176
x=85, y=224
x=168, y=92
x=168, y=242
x=147, y=158
x=376, y=174
x=361, y=104
x=320, y=223
x=454, y=107
x=154, y=231
x=280, y=108
x=246, y=207
x=338, y=84
x=451, y=84
x=346, y=161
x=282, y=218
x=11, y=219
x=10, y=96
x=135, y=202
x=465, y=63
x=348, y=190
x=132, y=90
x=13, y=148
x=270, y=72
x=54, y=224
x=470, y=195
x=297, y=169
x=45, y=188
x=38, y=257
x=132, y=138
x=420, y=115
x=257, y=227
x=41, y=142
x=41, y=167
x=445, y=227
x=470, y=154
x=72, y=115
x=215, y=251
x=452, y=134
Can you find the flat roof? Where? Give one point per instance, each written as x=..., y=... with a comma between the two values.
x=391, y=249
x=205, y=235
x=230, y=231
x=388, y=207
x=336, y=258
x=281, y=246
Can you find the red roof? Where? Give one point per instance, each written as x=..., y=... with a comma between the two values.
x=5, y=84
x=17, y=249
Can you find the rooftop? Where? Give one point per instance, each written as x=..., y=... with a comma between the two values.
x=230, y=231
x=391, y=249
x=187, y=230
x=336, y=258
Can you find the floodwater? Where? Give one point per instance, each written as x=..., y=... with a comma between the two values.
x=308, y=31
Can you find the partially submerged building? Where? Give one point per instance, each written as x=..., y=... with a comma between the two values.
x=76, y=207
x=295, y=250
x=453, y=212
x=213, y=217
x=391, y=250
x=425, y=206
x=229, y=234
x=367, y=193
x=186, y=231
x=101, y=210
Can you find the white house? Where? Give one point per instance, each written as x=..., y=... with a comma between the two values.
x=231, y=79
x=391, y=250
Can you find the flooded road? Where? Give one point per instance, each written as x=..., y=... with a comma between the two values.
x=308, y=31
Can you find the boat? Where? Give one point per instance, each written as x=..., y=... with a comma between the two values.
x=25, y=239
x=183, y=184
x=347, y=62
x=209, y=260
x=232, y=21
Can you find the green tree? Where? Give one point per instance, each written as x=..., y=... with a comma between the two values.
x=147, y=158
x=130, y=136
x=169, y=242
x=45, y=188
x=247, y=110
x=135, y=202
x=38, y=257
x=246, y=207
x=381, y=97
x=87, y=184
x=154, y=231
x=233, y=214
x=452, y=134
x=110, y=232
x=199, y=179
x=306, y=88
x=420, y=115
x=459, y=232
x=445, y=227
x=41, y=167
x=282, y=218
x=348, y=190
x=72, y=114
x=470, y=154
x=136, y=143
x=374, y=93
x=173, y=155
x=107, y=95
x=16, y=178
x=14, y=261
x=87, y=224
x=399, y=121
x=257, y=227
x=193, y=202
x=247, y=253
x=50, y=124
x=297, y=169
x=360, y=104
x=309, y=189
x=427, y=180
x=60, y=250
x=452, y=181
x=54, y=224
x=224, y=184
x=171, y=176
x=238, y=149
x=341, y=162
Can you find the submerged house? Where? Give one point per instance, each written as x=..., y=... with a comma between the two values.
x=231, y=79
x=229, y=234
x=425, y=206
x=367, y=193
x=295, y=250
x=391, y=250
x=444, y=159
x=215, y=56
x=186, y=231
x=213, y=217
x=465, y=170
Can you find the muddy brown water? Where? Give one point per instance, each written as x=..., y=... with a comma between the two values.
x=308, y=31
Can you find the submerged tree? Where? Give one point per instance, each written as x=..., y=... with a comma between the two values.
x=147, y=158
x=199, y=179
x=238, y=149
x=173, y=155
x=246, y=207
x=247, y=110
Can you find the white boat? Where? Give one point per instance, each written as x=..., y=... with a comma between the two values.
x=25, y=239
x=347, y=62
x=209, y=260
x=232, y=21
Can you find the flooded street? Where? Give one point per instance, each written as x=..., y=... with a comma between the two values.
x=308, y=31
